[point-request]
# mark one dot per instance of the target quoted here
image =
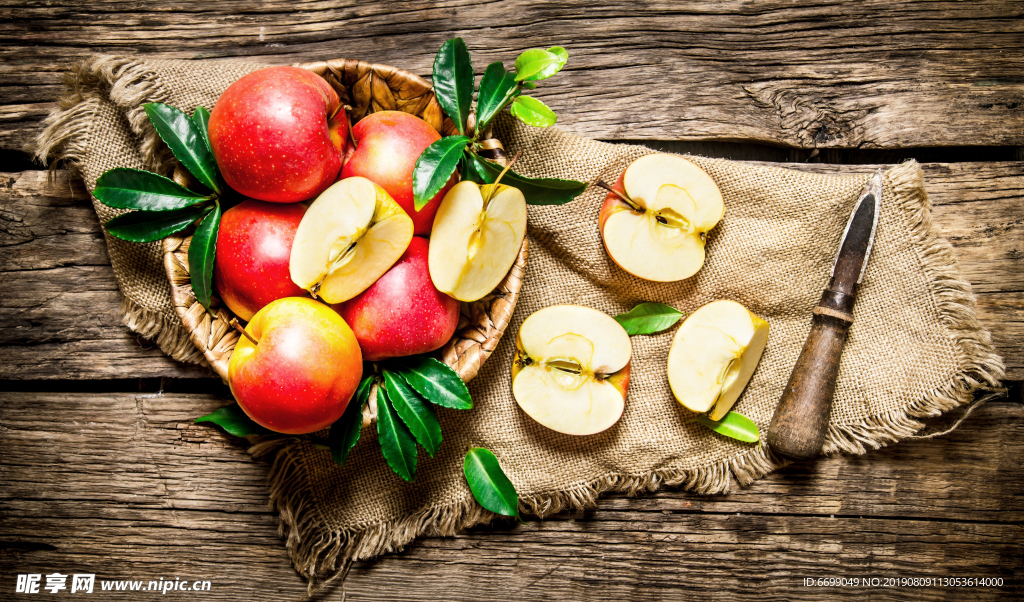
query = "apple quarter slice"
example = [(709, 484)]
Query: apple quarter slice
[(713, 355), (476, 237), (350, 235), (657, 232), (571, 369)]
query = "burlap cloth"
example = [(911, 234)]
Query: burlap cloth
[(915, 350)]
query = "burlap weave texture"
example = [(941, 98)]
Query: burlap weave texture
[(916, 348)]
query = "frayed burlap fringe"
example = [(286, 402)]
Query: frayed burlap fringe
[(166, 331), (128, 84), (323, 554)]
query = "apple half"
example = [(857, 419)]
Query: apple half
[(571, 369), (476, 237), (655, 222), (350, 235), (713, 355)]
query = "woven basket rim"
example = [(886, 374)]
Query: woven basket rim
[(481, 323)]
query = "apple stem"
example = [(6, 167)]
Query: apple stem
[(348, 118), (501, 175), (625, 198), (238, 327)]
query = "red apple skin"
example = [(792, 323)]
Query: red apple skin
[(278, 134), (402, 313), (254, 245), (388, 144), (302, 372), (613, 203)]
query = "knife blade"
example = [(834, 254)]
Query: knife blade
[(800, 421)]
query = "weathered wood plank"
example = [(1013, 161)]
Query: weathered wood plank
[(59, 306), (872, 74), (124, 485), (60, 302)]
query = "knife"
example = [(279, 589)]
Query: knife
[(800, 421)]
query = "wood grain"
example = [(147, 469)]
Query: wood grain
[(811, 75), (126, 486), (59, 306)]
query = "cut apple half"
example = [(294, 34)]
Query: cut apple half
[(655, 219), (571, 369), (476, 237), (350, 235), (713, 355)]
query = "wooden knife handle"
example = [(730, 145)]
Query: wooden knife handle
[(800, 421)]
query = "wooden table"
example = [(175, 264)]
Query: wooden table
[(104, 472)]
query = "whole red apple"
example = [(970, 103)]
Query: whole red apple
[(278, 134), (301, 373), (254, 244), (388, 144), (402, 313)]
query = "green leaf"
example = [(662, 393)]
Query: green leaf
[(345, 432), (186, 141), (415, 412), (497, 87), (124, 188), (536, 64), (147, 226), (538, 191), (453, 81), (234, 421), (436, 381), (532, 111), (734, 425), (649, 318), (201, 252), (488, 482), (201, 117), (560, 52), (396, 442), (435, 167)]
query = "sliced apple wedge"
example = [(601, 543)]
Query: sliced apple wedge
[(713, 356), (654, 221), (350, 235), (476, 237), (571, 369)]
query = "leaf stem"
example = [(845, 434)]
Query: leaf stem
[(509, 97)]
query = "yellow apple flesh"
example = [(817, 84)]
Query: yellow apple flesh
[(476, 237), (713, 355), (351, 234), (659, 233), (571, 369)]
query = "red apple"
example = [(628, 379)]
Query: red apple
[(655, 223), (402, 313), (253, 249), (388, 144), (278, 134), (301, 373)]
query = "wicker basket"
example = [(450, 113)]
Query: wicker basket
[(366, 89)]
